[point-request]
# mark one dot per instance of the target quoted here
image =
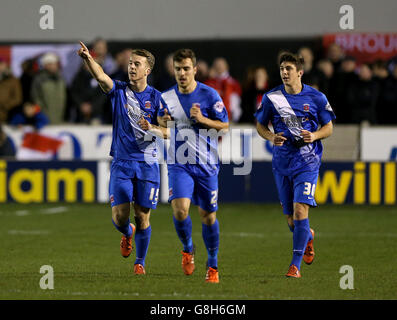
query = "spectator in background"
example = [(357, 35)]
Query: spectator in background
[(327, 69), (362, 96), (202, 74), (311, 76), (102, 56), (7, 149), (228, 88), (10, 92), (122, 59), (256, 83), (29, 70), (335, 54), (341, 81), (88, 101), (167, 78), (31, 115), (49, 89), (387, 102)]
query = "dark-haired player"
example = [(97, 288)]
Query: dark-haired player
[(197, 110), (301, 116)]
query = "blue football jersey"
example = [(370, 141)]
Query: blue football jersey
[(192, 145), (128, 140), (290, 113)]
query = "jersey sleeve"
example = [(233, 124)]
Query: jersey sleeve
[(264, 112), (117, 84), (156, 112), (217, 109), (325, 114), (162, 107)]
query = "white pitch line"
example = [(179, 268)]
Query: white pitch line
[(54, 210), (21, 213), (28, 232)]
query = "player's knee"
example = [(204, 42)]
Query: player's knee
[(120, 214), (142, 220), (301, 212), (181, 213), (208, 218), (120, 218)]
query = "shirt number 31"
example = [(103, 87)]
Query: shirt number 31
[(309, 189)]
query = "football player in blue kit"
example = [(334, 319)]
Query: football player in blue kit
[(134, 175), (301, 116), (192, 159)]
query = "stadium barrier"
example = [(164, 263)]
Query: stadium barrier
[(79, 171)]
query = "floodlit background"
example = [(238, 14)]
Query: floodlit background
[(56, 123)]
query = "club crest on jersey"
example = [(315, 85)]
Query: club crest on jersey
[(111, 198), (195, 104), (148, 104), (306, 107), (218, 106), (170, 192)]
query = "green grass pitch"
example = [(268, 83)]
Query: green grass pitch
[(81, 244)]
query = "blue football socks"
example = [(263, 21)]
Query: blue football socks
[(125, 229), (184, 231), (211, 241), (300, 238), (142, 239)]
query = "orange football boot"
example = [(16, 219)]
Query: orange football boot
[(139, 269), (293, 272), (308, 256), (212, 275), (188, 262), (126, 243)]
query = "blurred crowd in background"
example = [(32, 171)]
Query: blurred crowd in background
[(358, 93)]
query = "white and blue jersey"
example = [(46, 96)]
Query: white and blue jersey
[(128, 142), (134, 174), (290, 113), (295, 163), (192, 145), (192, 158)]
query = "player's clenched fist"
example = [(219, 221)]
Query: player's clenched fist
[(307, 136), (144, 124), (195, 113), (278, 139), (83, 51)]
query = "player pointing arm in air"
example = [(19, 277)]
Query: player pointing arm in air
[(301, 116), (134, 174)]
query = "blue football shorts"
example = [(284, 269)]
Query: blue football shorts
[(134, 181), (296, 188), (201, 190)]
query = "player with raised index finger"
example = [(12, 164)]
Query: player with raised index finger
[(134, 174)]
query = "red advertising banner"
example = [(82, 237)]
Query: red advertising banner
[(365, 47)]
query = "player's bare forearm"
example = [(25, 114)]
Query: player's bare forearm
[(160, 131), (264, 132), (277, 139), (105, 82), (324, 132), (162, 122), (214, 124)]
